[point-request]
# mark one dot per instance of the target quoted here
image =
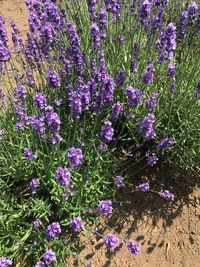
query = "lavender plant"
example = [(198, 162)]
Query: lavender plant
[(93, 80)]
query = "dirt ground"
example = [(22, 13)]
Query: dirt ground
[(15, 10), (169, 233)]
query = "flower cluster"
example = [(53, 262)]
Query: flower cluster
[(134, 96), (37, 224), (151, 158), (133, 247), (74, 157), (166, 44), (34, 183), (143, 187), (53, 230), (107, 132), (63, 176), (28, 154), (105, 207), (111, 241), (119, 181), (77, 224), (167, 195), (146, 126), (4, 262)]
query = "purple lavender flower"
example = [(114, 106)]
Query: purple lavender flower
[(103, 35), (92, 6), (197, 93), (113, 7), (78, 59), (182, 25), (53, 230), (157, 19), (121, 39), (107, 132), (55, 138), (77, 224), (19, 126), (192, 10), (166, 43), (132, 5), (133, 66), (38, 123), (136, 48), (3, 31), (40, 264), (171, 69), (58, 102), (28, 154), (2, 99), (32, 53), (68, 193), (129, 114), (21, 91), (74, 157), (4, 262), (53, 79), (121, 77), (48, 35), (144, 11), (102, 18), (146, 126), (102, 66), (119, 181), (111, 241), (103, 147), (75, 103), (151, 104), (4, 53), (49, 257), (95, 36), (40, 100), (149, 74), (133, 247), (85, 96), (30, 78), (53, 121), (1, 133), (134, 96), (151, 158), (104, 207), (167, 195), (63, 176), (16, 37), (73, 36), (108, 89), (88, 265), (143, 187), (37, 223), (117, 109), (173, 88), (165, 143), (34, 183)]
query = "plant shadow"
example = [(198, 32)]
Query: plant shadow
[(136, 209)]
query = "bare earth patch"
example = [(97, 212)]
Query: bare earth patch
[(15, 10), (169, 233)]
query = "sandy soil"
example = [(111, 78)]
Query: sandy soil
[(169, 233), (15, 10)]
